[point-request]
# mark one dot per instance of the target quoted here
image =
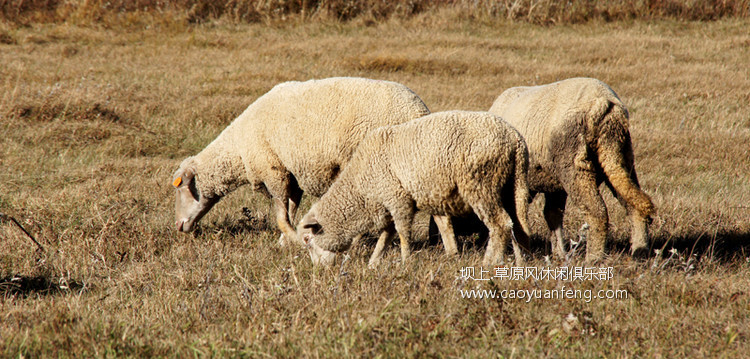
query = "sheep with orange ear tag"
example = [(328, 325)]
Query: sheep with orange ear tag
[(295, 139)]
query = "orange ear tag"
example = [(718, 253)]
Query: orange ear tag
[(177, 182)]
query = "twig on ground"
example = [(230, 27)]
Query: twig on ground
[(4, 216)]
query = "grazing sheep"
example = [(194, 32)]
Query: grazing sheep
[(578, 137), (294, 138), (446, 164)]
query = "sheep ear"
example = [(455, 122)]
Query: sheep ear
[(312, 223), (184, 177), (314, 227)]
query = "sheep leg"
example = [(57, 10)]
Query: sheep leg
[(445, 225), (638, 222), (554, 208), (282, 220), (355, 241), (500, 226), (402, 209), (518, 250), (520, 239), (403, 225), (585, 194), (405, 249), (638, 234), (386, 237), (295, 197)]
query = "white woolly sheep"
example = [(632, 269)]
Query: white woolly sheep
[(578, 136), (446, 164), (291, 140)]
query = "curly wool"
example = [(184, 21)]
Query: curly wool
[(578, 136), (446, 164), (298, 136)]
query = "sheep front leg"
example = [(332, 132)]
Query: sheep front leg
[(405, 249), (403, 227), (288, 235), (355, 241), (448, 235), (402, 209), (386, 237), (295, 197)]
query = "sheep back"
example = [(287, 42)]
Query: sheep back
[(310, 129), (556, 119), (432, 164)]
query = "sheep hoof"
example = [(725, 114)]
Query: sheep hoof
[(493, 262), (326, 259), (283, 241), (594, 258), (373, 265)]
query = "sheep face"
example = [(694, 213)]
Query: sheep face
[(309, 230), (189, 205)]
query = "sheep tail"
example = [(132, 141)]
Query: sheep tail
[(615, 152), (521, 185)]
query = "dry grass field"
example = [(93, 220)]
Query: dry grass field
[(95, 118)]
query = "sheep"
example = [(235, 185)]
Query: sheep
[(446, 164), (578, 136), (291, 140)]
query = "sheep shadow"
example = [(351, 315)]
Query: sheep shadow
[(25, 286), (249, 222), (472, 235), (723, 246)]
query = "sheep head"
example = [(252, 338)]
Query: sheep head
[(189, 205), (308, 230)]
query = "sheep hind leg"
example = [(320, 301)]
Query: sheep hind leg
[(639, 235), (638, 222), (500, 226), (518, 249), (445, 226), (554, 208), (585, 194), (519, 238)]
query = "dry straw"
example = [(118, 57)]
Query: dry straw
[(535, 11)]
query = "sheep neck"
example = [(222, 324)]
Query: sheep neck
[(347, 214), (220, 171)]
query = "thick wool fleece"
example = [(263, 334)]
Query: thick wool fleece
[(297, 137), (578, 136), (447, 163)]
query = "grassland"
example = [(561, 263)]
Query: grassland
[(95, 118)]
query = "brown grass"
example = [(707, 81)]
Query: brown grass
[(194, 11), (96, 118)]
